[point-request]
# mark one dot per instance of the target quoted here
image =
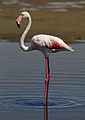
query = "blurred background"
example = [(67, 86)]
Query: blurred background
[(22, 74), (62, 18)]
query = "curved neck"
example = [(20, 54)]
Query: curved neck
[(22, 45)]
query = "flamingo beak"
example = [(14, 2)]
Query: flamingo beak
[(18, 20)]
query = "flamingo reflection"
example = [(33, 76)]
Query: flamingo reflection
[(46, 112)]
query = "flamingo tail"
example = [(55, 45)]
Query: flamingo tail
[(66, 47)]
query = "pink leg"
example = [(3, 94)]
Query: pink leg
[(46, 81)]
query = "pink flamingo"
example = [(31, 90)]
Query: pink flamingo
[(45, 43)]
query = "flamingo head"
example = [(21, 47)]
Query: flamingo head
[(21, 17)]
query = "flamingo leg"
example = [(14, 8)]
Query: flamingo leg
[(47, 80)]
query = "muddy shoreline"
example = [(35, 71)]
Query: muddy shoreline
[(68, 25)]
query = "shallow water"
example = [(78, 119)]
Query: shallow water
[(63, 5), (22, 77)]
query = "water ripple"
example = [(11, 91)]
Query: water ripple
[(34, 103)]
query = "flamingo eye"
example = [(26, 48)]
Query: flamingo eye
[(22, 14), (37, 40)]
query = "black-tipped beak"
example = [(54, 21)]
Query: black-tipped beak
[(18, 21), (18, 24)]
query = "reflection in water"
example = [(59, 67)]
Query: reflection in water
[(46, 112)]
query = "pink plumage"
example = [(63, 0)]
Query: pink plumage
[(48, 43), (44, 43)]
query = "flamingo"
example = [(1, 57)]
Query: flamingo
[(45, 43)]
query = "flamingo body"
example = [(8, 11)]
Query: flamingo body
[(45, 43), (48, 44)]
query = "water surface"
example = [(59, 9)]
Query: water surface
[(22, 77), (53, 5)]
